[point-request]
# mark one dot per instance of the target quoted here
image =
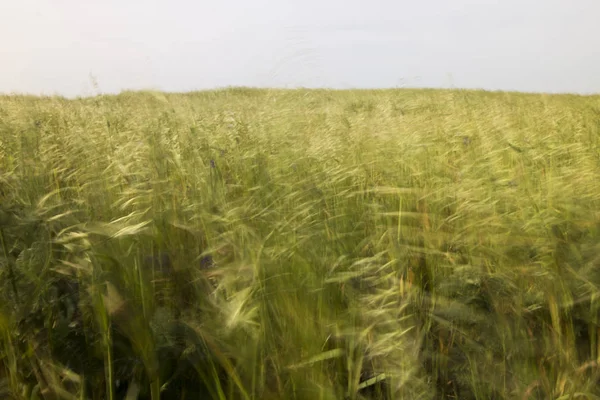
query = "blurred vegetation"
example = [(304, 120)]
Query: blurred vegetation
[(272, 244)]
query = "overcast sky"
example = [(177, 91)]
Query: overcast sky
[(55, 46)]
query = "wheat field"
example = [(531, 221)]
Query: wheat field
[(300, 244)]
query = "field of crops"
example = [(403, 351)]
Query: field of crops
[(271, 244)]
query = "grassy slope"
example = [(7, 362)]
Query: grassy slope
[(444, 242)]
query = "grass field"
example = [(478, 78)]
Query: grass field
[(270, 244)]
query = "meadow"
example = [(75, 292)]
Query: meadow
[(300, 244)]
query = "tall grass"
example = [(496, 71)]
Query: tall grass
[(263, 244)]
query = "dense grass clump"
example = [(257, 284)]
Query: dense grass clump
[(262, 244)]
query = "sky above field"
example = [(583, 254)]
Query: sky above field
[(63, 46)]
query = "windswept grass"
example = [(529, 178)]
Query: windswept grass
[(263, 244)]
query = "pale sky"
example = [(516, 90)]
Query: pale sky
[(55, 46)]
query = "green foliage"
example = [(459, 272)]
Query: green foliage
[(267, 244)]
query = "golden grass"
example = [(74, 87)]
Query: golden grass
[(399, 244)]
